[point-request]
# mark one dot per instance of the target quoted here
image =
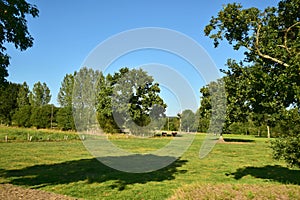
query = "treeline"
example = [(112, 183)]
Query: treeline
[(119, 101), (24, 108), (240, 115)]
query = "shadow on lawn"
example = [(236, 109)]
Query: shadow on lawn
[(89, 170), (270, 172), (237, 140)]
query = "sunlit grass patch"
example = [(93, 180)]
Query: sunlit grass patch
[(236, 191)]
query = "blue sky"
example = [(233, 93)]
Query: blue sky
[(68, 30)]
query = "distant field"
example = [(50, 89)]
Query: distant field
[(240, 168)]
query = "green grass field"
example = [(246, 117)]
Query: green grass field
[(242, 166)]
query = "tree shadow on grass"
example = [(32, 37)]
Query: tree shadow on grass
[(237, 140), (270, 172), (89, 170)]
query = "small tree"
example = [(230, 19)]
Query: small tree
[(23, 95), (64, 97), (187, 120), (40, 94), (65, 117), (22, 114)]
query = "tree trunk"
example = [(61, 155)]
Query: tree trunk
[(268, 129)]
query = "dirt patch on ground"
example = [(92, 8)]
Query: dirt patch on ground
[(11, 192)]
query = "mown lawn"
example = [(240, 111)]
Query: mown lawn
[(66, 167)]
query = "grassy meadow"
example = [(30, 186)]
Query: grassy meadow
[(241, 168)]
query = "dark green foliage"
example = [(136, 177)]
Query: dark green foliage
[(8, 102), (212, 111), (287, 146), (65, 117), (108, 124), (65, 120), (14, 29), (22, 116), (172, 124), (43, 116)]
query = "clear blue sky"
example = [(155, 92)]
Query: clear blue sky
[(68, 30)]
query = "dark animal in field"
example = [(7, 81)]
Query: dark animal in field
[(164, 134)]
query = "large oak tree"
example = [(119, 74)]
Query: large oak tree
[(270, 73)]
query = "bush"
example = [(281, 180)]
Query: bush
[(287, 145)]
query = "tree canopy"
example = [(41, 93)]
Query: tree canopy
[(266, 84), (270, 39), (40, 94), (129, 98), (13, 29)]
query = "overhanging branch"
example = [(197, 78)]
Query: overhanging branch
[(265, 55)]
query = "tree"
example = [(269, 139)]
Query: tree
[(270, 40), (43, 116), (86, 87), (8, 102), (40, 94), (22, 114), (14, 29), (129, 99), (23, 95), (104, 106), (65, 118), (201, 123), (65, 94), (171, 124), (187, 120), (212, 109)]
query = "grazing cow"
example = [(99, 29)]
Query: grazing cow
[(164, 134), (174, 134)]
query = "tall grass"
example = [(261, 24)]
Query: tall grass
[(14, 134)]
